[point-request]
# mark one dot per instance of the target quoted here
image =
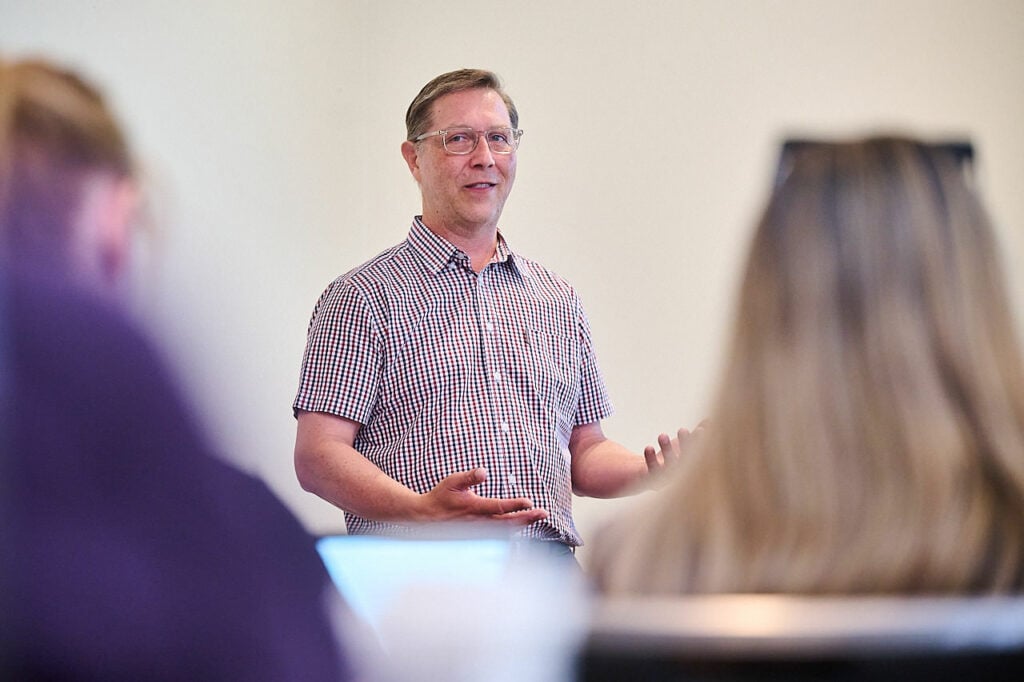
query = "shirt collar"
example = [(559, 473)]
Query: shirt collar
[(437, 251)]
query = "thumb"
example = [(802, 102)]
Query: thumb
[(465, 480)]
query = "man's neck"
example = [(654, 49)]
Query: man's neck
[(478, 242)]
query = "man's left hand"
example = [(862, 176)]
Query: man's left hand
[(664, 460)]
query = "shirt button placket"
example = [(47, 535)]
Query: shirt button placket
[(491, 367)]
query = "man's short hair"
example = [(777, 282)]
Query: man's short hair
[(417, 117)]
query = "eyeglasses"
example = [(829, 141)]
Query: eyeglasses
[(960, 151), (464, 140)]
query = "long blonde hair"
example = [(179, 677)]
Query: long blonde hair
[(868, 435), (56, 132)]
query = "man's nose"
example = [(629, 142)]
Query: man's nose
[(482, 155)]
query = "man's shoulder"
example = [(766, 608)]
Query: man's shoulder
[(395, 261), (542, 275)]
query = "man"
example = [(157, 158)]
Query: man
[(450, 378)]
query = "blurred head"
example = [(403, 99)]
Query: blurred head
[(67, 199), (462, 193), (869, 430)]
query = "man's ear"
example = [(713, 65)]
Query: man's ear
[(412, 158)]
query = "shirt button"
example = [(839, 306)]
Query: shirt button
[(511, 479), (504, 427), (489, 326), (497, 376)]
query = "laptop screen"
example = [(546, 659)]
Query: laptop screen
[(457, 606), (371, 572)]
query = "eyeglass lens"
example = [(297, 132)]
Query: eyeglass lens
[(464, 140)]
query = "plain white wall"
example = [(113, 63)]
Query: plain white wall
[(270, 132)]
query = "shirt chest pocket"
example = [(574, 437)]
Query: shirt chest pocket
[(554, 371)]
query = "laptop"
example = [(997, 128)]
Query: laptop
[(372, 572), (456, 605)]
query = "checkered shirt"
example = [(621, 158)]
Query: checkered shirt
[(447, 370)]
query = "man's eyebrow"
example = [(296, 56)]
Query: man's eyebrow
[(493, 126)]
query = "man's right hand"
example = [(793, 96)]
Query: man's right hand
[(452, 499)]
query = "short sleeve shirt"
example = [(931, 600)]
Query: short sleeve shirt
[(447, 370)]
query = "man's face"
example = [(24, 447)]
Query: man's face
[(463, 193)]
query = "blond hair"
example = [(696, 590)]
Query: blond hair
[(56, 131), (868, 435)]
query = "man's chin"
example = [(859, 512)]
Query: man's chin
[(482, 219)]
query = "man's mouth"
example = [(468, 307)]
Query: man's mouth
[(481, 185)]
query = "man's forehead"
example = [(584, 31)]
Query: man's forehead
[(450, 107)]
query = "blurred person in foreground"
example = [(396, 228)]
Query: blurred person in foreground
[(450, 378), (869, 426), (129, 551)]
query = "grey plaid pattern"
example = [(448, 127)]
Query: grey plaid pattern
[(448, 370)]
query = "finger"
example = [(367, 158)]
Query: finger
[(523, 517), (464, 480), (490, 506), (673, 454), (651, 456)]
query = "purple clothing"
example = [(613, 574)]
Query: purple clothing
[(129, 552)]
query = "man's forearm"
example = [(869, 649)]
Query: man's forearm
[(345, 478), (328, 466), (602, 467)]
